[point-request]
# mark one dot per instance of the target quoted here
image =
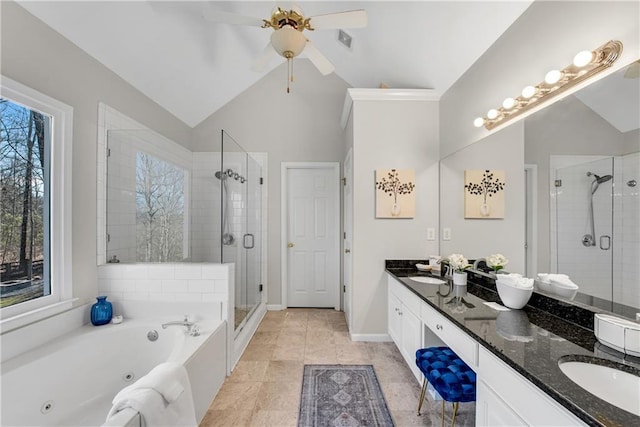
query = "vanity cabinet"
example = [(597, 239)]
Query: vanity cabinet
[(503, 396), (404, 325)]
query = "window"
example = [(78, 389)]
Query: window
[(35, 209), (160, 216)]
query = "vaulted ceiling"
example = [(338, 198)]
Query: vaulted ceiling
[(193, 67)]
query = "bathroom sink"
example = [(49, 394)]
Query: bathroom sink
[(427, 280), (616, 386)]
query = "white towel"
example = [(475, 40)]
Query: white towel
[(162, 397), (561, 280), (515, 280)]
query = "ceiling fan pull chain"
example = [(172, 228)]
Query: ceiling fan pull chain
[(288, 73)]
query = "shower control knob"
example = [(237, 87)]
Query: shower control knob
[(588, 240)]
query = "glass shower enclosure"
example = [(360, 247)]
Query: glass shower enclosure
[(595, 226), (166, 203), (240, 178)]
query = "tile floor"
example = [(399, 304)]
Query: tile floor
[(264, 388)]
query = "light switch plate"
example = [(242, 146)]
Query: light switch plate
[(446, 234), (431, 233)]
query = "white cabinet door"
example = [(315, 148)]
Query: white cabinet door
[(493, 411), (411, 339), (394, 320)]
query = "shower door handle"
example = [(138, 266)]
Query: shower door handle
[(605, 242), (244, 241)]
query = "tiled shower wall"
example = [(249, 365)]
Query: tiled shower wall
[(188, 282)]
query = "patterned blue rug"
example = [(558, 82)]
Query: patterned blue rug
[(342, 395)]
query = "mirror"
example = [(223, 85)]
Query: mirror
[(577, 207)]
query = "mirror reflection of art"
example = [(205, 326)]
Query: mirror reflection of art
[(484, 194), (395, 197)]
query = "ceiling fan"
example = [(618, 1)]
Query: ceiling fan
[(287, 38)]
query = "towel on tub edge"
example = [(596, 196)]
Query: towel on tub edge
[(162, 397)]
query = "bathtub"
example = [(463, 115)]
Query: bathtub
[(72, 380)]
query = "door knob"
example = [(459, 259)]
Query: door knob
[(347, 251), (290, 245)]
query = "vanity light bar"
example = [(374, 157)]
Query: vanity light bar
[(585, 64)]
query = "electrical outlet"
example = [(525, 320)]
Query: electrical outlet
[(431, 234), (446, 234)]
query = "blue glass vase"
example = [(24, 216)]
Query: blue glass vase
[(101, 311)]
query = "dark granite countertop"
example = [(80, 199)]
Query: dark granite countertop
[(531, 340)]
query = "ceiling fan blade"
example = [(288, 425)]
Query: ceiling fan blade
[(265, 57), (213, 15), (319, 60), (351, 19)]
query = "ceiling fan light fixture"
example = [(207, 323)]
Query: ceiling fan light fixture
[(288, 41)]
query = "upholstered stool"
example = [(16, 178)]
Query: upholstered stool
[(449, 375)]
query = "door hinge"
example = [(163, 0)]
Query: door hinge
[(108, 152), (344, 181), (260, 287), (344, 288), (261, 181), (558, 183), (108, 237), (344, 235)]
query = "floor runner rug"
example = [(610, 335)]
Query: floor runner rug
[(342, 395)]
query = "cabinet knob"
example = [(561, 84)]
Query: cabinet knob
[(439, 327), (290, 245)]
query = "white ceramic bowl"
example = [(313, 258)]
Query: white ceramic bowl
[(513, 297)]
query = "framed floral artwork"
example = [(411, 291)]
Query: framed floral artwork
[(395, 195), (484, 194)]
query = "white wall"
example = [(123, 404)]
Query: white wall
[(546, 36), (478, 238), (389, 133), (302, 126), (37, 56)]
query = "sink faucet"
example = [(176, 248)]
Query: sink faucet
[(192, 328), (478, 261)]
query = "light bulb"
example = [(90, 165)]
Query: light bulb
[(478, 122), (509, 103), (553, 77), (583, 58), (528, 92), (492, 114)]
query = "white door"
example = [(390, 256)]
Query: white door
[(347, 207), (312, 234)]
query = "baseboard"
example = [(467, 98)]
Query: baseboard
[(275, 307), (371, 337)]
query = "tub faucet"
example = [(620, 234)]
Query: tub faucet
[(192, 328)]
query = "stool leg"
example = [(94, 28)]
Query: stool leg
[(455, 411), (422, 394), (442, 412)]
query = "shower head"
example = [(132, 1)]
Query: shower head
[(600, 179)]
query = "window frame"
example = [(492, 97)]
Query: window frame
[(60, 207)]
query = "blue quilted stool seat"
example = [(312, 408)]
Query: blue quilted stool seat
[(453, 379)]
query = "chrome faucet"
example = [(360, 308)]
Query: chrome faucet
[(192, 328), (476, 262)]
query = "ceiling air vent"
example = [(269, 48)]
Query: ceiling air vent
[(344, 38)]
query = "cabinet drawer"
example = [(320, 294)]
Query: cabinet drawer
[(463, 345)]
